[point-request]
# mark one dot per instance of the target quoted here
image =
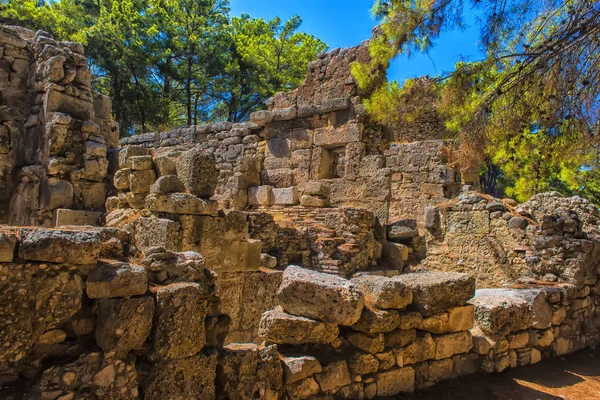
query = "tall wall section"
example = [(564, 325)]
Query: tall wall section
[(55, 132)]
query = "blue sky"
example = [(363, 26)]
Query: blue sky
[(344, 23)]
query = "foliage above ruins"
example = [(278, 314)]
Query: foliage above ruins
[(528, 113), (167, 63)]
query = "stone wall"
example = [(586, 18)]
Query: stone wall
[(55, 132), (501, 242), (379, 337)]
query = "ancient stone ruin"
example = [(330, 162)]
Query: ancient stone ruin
[(307, 253)]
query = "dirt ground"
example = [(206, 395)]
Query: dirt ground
[(574, 377)]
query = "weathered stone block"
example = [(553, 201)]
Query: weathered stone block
[(461, 318), (59, 246), (334, 375), (181, 203), (285, 196), (141, 163), (8, 241), (116, 280), (246, 370), (400, 337), (94, 149), (435, 292), (382, 292), (403, 230), (320, 296), (66, 217), (338, 136), (422, 349), (279, 327), (470, 222), (373, 320), (123, 324), (55, 101), (277, 178), (158, 232), (140, 181), (121, 179), (313, 201), (179, 330), (260, 196), (363, 363), (197, 170), (166, 379), (370, 343), (167, 184), (498, 311), (56, 193), (395, 381), (440, 370), (451, 344), (298, 368), (317, 188)]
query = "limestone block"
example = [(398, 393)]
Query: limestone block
[(59, 246), (363, 363), (95, 169), (435, 292), (337, 104), (465, 364), (422, 349), (340, 136), (436, 323), (158, 232), (303, 389), (333, 376), (56, 194), (165, 165), (373, 320), (165, 378), (498, 311), (140, 181), (518, 340), (8, 241), (92, 194), (395, 381), (279, 327), (94, 149), (77, 217), (285, 196), (130, 151), (382, 292), (136, 201), (298, 368), (461, 318), (141, 163), (431, 219), (317, 188), (370, 343), (121, 179), (320, 296), (440, 370), (267, 261), (536, 356), (278, 178), (482, 344), (167, 184), (313, 201), (55, 101), (123, 324), (246, 370), (396, 254), (400, 337), (181, 203), (116, 280), (179, 330), (261, 117), (451, 344), (260, 196), (410, 320), (538, 304), (197, 170), (402, 230)]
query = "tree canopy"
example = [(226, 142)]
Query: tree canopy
[(528, 113), (168, 63)]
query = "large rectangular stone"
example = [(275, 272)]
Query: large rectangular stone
[(160, 232), (285, 196), (499, 311), (395, 381), (179, 329), (436, 292), (59, 246), (338, 136), (320, 296), (280, 327), (116, 280), (55, 101), (66, 217)]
